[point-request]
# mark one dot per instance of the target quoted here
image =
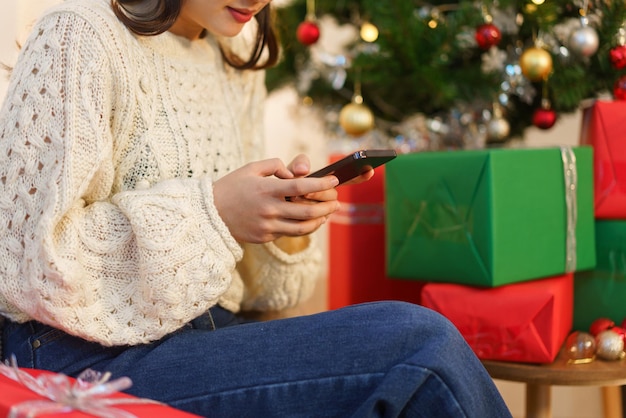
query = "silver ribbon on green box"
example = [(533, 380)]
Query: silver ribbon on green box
[(570, 174)]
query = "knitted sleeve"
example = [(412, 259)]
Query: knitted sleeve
[(121, 268), (273, 279)]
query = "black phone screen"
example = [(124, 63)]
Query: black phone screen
[(355, 164)]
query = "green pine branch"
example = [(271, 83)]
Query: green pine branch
[(420, 69)]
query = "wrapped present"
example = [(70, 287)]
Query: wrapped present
[(357, 248), (603, 128), (523, 322), (490, 217), (601, 292), (29, 393)]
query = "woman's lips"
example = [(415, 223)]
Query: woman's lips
[(241, 16)]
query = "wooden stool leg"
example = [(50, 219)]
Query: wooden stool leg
[(538, 401), (612, 401)]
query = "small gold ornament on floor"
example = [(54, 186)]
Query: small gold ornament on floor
[(580, 347), (605, 340)]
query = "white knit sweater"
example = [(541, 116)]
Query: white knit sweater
[(109, 144)]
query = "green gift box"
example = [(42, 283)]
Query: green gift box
[(600, 293), (490, 217)]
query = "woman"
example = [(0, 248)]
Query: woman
[(138, 221)]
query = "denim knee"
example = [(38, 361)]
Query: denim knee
[(411, 319)]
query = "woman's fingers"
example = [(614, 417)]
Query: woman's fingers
[(252, 202)]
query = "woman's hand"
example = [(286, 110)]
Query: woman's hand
[(299, 167), (265, 200)]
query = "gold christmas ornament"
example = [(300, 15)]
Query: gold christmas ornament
[(356, 118), (580, 347), (536, 63)]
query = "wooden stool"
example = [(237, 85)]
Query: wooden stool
[(539, 378)]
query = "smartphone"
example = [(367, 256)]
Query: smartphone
[(355, 164)]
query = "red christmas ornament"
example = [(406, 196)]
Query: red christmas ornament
[(617, 56), (487, 35), (599, 325), (544, 118), (308, 32), (619, 88)]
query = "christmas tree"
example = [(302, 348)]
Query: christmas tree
[(438, 75)]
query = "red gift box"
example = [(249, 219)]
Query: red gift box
[(356, 232), (603, 128), (14, 392), (523, 322)]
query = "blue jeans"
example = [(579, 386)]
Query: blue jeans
[(386, 359)]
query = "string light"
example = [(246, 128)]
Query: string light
[(369, 32)]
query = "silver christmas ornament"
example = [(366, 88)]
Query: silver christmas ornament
[(584, 41), (609, 345), (498, 129)]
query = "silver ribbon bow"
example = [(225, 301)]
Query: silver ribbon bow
[(87, 393)]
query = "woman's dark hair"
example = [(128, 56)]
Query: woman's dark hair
[(152, 17)]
